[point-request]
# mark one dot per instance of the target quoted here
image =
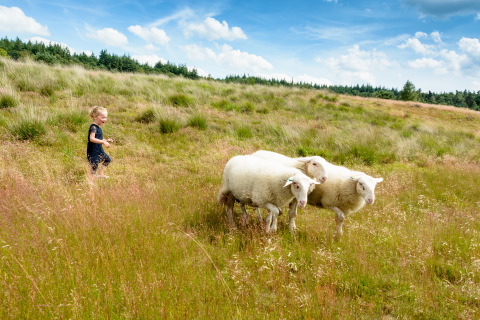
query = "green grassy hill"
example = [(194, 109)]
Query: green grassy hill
[(152, 243)]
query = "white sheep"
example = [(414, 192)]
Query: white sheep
[(262, 183), (314, 167), (344, 196)]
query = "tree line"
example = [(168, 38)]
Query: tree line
[(58, 54)]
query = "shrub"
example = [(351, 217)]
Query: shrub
[(8, 101), (244, 132), (181, 100), (198, 121), (247, 108), (28, 129), (224, 105), (71, 120), (147, 116), (169, 125)]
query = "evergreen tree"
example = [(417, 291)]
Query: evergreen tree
[(408, 92)]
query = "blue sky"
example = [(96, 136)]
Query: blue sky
[(433, 43)]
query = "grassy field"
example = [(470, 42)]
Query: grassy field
[(152, 243)]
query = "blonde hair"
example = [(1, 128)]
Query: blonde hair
[(96, 110)]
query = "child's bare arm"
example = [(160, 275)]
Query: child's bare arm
[(95, 140)]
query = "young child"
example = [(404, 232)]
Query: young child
[(95, 152)]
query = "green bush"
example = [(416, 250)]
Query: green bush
[(72, 120), (147, 116), (8, 101), (224, 105), (181, 100), (198, 121), (248, 107), (169, 125), (28, 129), (244, 132)]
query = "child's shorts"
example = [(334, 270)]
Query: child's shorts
[(95, 160)]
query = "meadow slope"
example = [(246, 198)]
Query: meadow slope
[(152, 243)]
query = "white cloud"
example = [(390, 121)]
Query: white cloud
[(212, 29), (417, 46), (196, 52), (151, 59), (227, 57), (49, 42), (358, 60), (14, 20), (471, 47), (153, 34), (240, 60), (425, 63), (436, 37), (358, 66), (108, 36)]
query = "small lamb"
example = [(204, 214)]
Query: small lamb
[(262, 183), (344, 196), (314, 167)]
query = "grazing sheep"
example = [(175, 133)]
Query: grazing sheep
[(314, 167), (344, 196), (262, 183)]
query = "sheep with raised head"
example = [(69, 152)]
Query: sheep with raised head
[(314, 167), (265, 184), (344, 195)]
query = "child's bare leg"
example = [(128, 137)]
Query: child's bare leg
[(101, 170)]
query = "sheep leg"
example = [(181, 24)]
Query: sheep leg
[(245, 214), (339, 218), (259, 215), (229, 203), (292, 214), (271, 218)]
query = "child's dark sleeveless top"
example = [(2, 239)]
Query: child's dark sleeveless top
[(94, 149)]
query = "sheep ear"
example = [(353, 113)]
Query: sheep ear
[(314, 181), (378, 180), (289, 182)]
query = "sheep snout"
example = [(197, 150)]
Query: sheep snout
[(302, 204)]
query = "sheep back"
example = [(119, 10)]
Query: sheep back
[(255, 181)]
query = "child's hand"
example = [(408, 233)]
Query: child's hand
[(110, 140), (106, 144)]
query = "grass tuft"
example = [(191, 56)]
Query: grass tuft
[(8, 101), (169, 124)]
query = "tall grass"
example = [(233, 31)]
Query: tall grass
[(152, 243)]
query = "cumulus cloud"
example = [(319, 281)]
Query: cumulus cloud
[(421, 47), (14, 20), (227, 57), (445, 8), (359, 60), (212, 29), (425, 63), (153, 34), (49, 42), (417, 46), (108, 36), (358, 66)]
